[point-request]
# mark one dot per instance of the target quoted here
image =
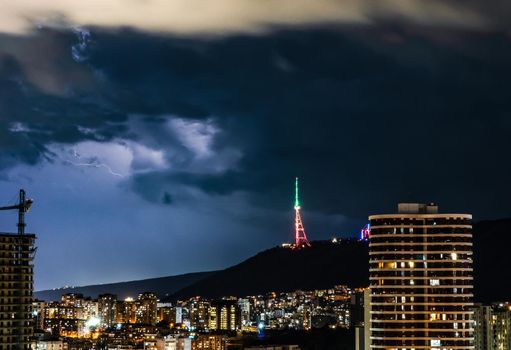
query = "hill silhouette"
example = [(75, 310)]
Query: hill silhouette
[(326, 264), (162, 286), (323, 265)]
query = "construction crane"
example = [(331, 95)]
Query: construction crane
[(18, 263), (23, 206)]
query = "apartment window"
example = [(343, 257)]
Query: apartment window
[(436, 342)]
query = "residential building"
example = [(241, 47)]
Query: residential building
[(16, 287), (421, 279), (107, 309), (492, 326), (147, 308), (224, 315)]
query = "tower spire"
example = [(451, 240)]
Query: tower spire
[(297, 201), (300, 236)]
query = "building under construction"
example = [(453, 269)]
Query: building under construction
[(16, 282)]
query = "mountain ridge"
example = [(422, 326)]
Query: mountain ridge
[(282, 269), (162, 286)]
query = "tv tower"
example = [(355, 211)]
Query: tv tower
[(300, 236)]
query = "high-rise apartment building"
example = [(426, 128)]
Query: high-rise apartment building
[(166, 314), (492, 327), (107, 309), (421, 279), (224, 315), (38, 307), (361, 318), (75, 302), (147, 308), (16, 287), (126, 311), (483, 332), (199, 313), (244, 306), (90, 308)]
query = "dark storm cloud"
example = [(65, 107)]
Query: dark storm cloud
[(363, 116), (366, 116), (47, 97)]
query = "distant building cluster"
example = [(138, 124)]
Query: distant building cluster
[(195, 323)]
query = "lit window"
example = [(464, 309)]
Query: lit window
[(391, 265), (436, 342), (434, 282), (454, 256)]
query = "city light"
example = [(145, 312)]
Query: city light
[(365, 232), (93, 322)]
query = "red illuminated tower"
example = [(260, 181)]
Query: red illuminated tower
[(300, 236)]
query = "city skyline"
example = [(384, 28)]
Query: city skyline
[(419, 295), (155, 148)]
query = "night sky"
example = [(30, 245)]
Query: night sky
[(162, 137)]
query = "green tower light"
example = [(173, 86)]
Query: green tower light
[(297, 201)]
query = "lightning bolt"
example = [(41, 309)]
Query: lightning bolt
[(97, 165), (92, 164)]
